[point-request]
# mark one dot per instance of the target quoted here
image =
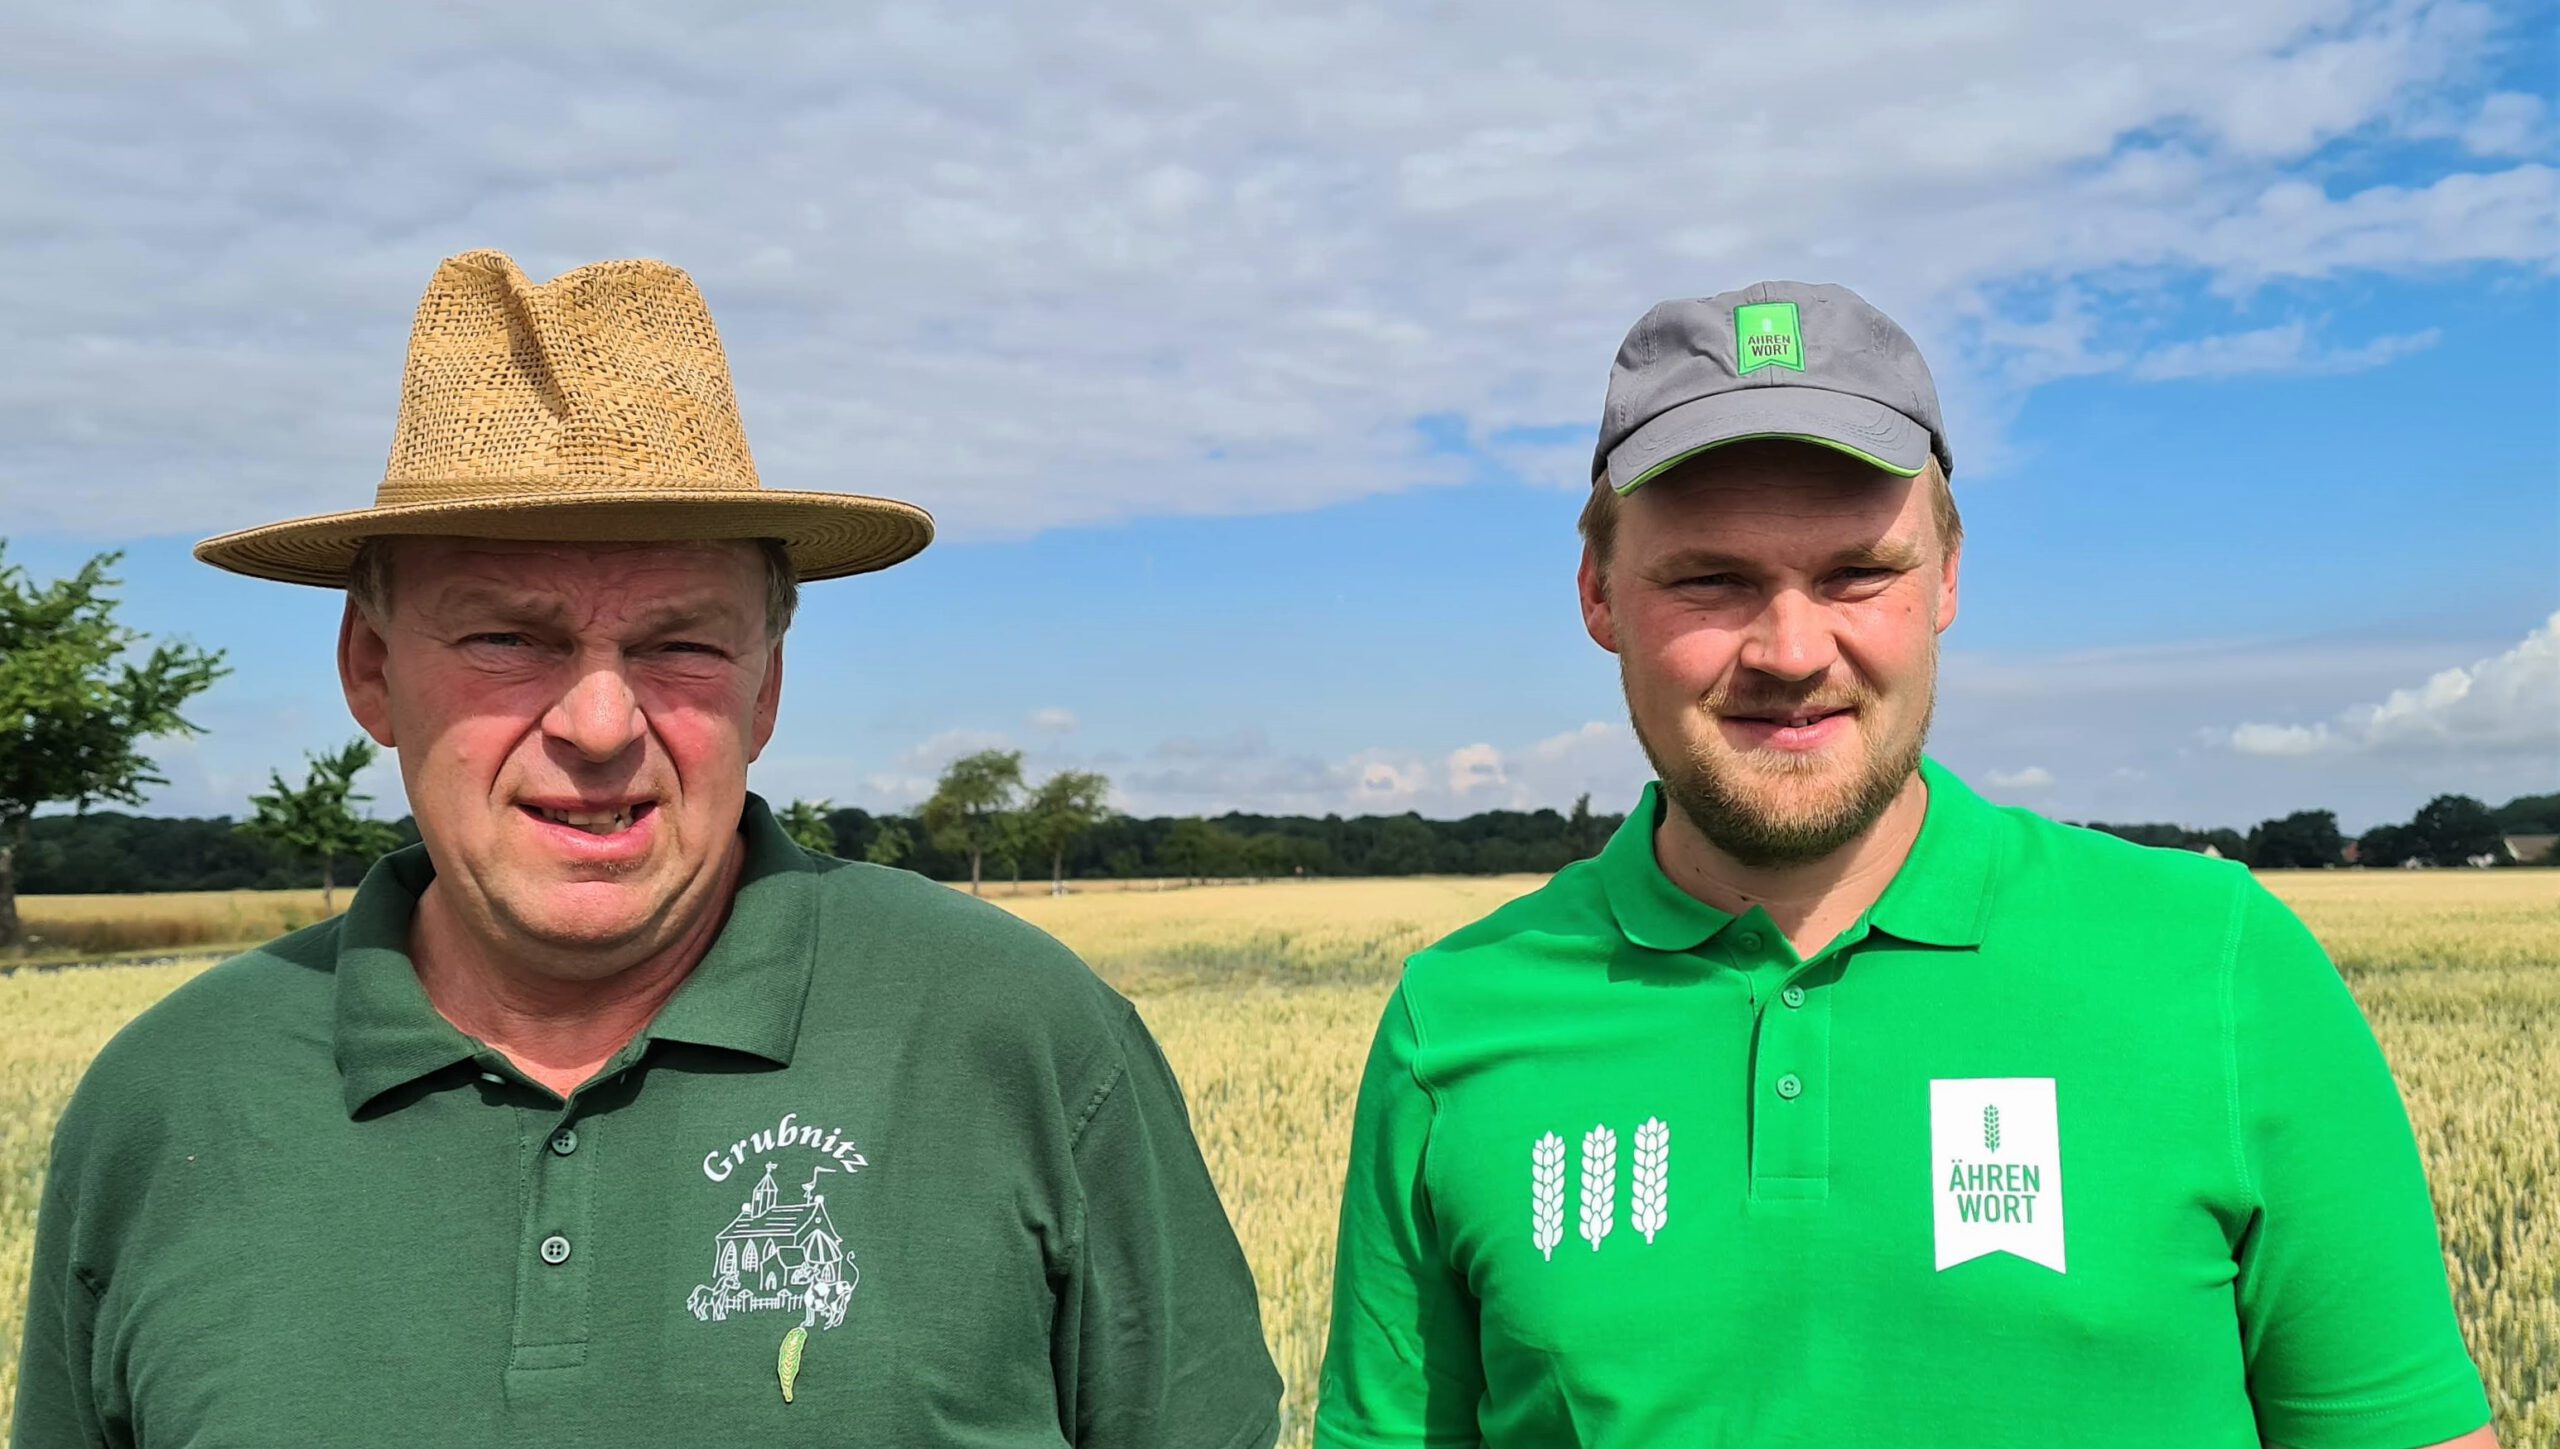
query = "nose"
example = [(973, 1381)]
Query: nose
[(1791, 639), (599, 715)]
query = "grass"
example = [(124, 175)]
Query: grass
[(1265, 995)]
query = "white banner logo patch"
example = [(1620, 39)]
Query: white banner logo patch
[(1995, 1155)]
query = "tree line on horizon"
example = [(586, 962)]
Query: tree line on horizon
[(80, 700)]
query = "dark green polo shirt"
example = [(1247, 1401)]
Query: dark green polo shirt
[(2064, 1141), (292, 1205)]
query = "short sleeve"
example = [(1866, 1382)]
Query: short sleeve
[(1161, 1344), (1402, 1366), (2346, 1320)]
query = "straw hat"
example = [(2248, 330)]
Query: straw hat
[(595, 407)]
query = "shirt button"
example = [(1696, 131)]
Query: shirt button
[(555, 1250), (565, 1141), (1748, 940), (1790, 1087), (1792, 996)]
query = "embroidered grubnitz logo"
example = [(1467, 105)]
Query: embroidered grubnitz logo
[(778, 1255), (1598, 1201), (1995, 1169)]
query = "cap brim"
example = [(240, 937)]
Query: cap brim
[(829, 535), (1861, 427)]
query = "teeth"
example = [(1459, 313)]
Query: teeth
[(594, 822)]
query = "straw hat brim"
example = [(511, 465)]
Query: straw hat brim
[(829, 535)]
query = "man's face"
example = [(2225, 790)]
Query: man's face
[(1768, 584), (574, 724)]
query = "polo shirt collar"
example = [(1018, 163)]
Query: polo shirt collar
[(1941, 895), (745, 995)]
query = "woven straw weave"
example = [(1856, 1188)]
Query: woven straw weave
[(596, 406)]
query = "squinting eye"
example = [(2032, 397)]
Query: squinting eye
[(499, 639), (686, 646)]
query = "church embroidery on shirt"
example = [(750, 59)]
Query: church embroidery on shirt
[(779, 1255)]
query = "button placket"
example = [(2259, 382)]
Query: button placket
[(1791, 1121), (559, 1242)]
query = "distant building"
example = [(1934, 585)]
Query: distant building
[(2212, 851), (2530, 849)]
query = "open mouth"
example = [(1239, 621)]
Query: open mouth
[(607, 820)]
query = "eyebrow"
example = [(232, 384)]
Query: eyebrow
[(533, 611), (1884, 553)]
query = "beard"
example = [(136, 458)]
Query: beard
[(1745, 806)]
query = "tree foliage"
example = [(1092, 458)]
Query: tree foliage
[(2454, 830), (319, 821), (805, 821), (2304, 840), (969, 803), (77, 707), (1066, 805)]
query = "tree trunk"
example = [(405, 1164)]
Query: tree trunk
[(329, 884), (11, 933), (1058, 872), (974, 855)]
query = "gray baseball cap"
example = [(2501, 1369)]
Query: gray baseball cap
[(1799, 360)]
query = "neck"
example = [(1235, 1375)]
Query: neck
[(558, 1029), (1812, 902)]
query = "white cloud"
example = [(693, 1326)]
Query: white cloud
[(2508, 704), (2033, 777), (2285, 348), (2510, 123), (1049, 265), (1473, 768), (1053, 720)]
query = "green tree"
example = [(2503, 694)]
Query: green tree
[(805, 821), (1066, 805), (319, 820), (889, 846), (75, 708), (2451, 829), (2386, 845), (1196, 850), (1582, 838), (2306, 839), (969, 804)]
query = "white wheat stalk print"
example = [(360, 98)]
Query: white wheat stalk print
[(1651, 1205), (1546, 1194), (1599, 1184)]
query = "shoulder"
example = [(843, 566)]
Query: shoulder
[(2096, 870), (235, 1017), (1562, 925), (932, 942)]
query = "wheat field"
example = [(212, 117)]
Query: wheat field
[(1264, 997)]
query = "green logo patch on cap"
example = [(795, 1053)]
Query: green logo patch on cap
[(1765, 334)]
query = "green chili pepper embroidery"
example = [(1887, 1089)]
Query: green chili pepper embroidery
[(789, 1366)]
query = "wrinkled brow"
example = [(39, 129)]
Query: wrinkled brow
[(1883, 553), (535, 611)]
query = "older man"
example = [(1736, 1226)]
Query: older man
[(608, 1116), (1831, 1105)]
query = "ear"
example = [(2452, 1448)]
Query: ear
[(1947, 586), (1598, 620), (768, 703), (364, 661)]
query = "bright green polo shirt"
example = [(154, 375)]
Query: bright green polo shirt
[(291, 1206), (2064, 1142)]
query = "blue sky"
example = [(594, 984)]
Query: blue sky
[(1250, 360)]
